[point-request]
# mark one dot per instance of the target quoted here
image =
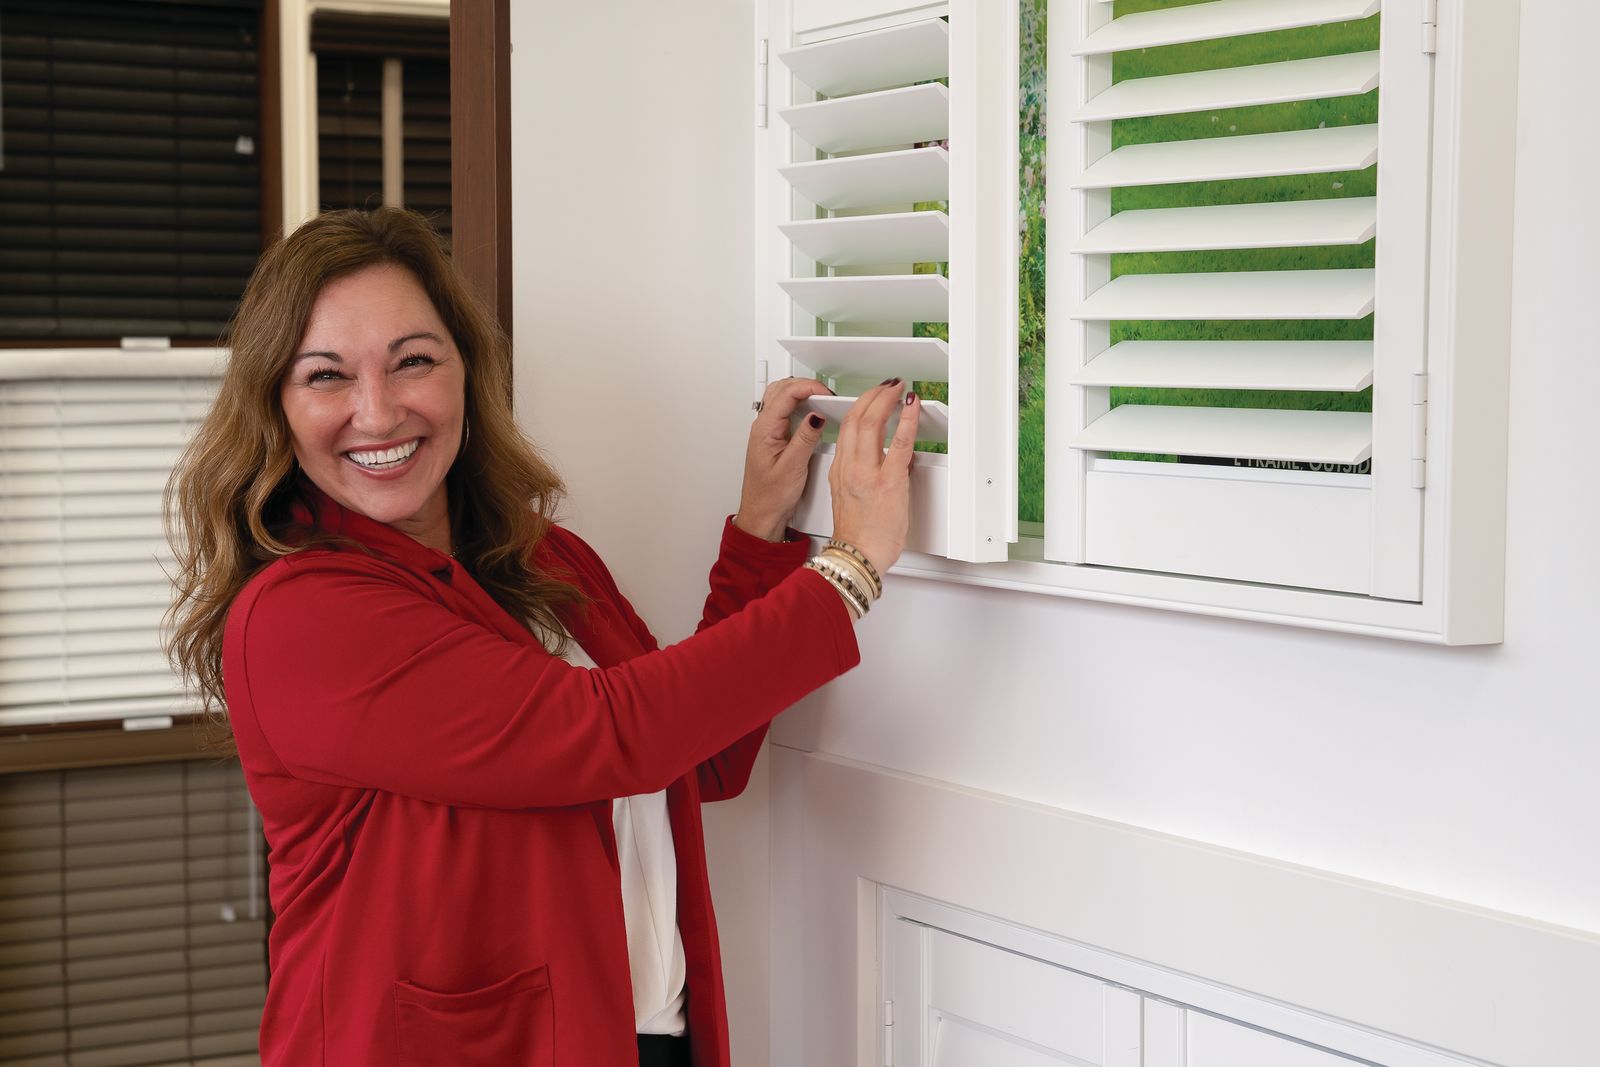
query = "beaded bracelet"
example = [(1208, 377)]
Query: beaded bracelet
[(858, 574)]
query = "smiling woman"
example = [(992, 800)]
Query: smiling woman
[(372, 585)]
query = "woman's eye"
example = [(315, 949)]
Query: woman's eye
[(324, 375), (416, 360)]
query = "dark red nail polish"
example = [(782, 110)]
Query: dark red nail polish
[(910, 399), (816, 421), (890, 381)]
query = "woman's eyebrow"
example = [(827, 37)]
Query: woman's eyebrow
[(424, 335)]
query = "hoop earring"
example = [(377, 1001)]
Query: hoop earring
[(466, 435)]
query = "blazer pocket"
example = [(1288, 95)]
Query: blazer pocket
[(507, 1024)]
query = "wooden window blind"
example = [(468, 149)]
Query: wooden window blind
[(86, 448), (895, 207), (352, 51), (1239, 231), (130, 185), (131, 917)]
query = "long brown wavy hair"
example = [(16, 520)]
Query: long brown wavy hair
[(228, 500)]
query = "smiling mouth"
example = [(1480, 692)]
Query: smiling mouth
[(384, 458)]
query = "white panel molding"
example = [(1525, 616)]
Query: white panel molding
[(1299, 951)]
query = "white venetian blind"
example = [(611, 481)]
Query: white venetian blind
[(87, 441), (131, 918), (898, 164), (1242, 246)]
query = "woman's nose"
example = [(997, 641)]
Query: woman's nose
[(377, 410)]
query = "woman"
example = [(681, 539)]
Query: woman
[(372, 587)]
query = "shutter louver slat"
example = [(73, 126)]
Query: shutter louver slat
[(1350, 74), (1308, 366), (876, 60), (865, 298), (855, 240), (1256, 155), (904, 177), (1336, 437), (1288, 294), (1275, 224), (1220, 18), (873, 120), (920, 358), (934, 425)]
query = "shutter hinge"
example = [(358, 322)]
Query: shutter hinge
[(1419, 431), (761, 83), (888, 1033), (1430, 27)]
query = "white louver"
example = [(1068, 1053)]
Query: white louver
[(866, 131), (87, 440), (1275, 514)]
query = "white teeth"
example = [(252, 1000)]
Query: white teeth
[(385, 458)]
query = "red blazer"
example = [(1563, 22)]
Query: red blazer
[(435, 788)]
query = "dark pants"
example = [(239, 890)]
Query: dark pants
[(657, 1050)]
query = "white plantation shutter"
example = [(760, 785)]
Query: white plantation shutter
[(864, 131), (1269, 511), (87, 441), (131, 917)]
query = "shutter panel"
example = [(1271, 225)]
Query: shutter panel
[(1239, 259), (131, 917), (130, 192), (84, 459), (895, 155)]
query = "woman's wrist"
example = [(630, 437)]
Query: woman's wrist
[(769, 530)]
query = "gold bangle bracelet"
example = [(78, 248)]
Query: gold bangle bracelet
[(853, 594), (852, 604), (858, 574), (861, 558)]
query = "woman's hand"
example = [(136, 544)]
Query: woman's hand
[(775, 463), (871, 487)]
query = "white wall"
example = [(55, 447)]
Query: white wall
[(632, 137), (1465, 773)]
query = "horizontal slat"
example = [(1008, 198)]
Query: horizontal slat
[(134, 435), (1254, 155), (92, 598), (97, 710), (1222, 18), (854, 240), (89, 459), (82, 414), (933, 424), (877, 180), (99, 373), (1285, 224), (22, 531), (104, 506), (149, 661), (1341, 437), (83, 483), (147, 618), (1341, 366), (59, 553), (71, 690), (1318, 78), (873, 120), (78, 576), (918, 51), (916, 359), (1274, 294), (873, 298), (99, 643)]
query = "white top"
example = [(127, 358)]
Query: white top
[(649, 864)]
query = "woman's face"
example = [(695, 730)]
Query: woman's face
[(375, 399)]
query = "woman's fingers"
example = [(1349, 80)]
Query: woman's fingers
[(904, 444), (872, 413)]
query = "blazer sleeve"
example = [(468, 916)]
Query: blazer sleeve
[(746, 568), (354, 677)]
